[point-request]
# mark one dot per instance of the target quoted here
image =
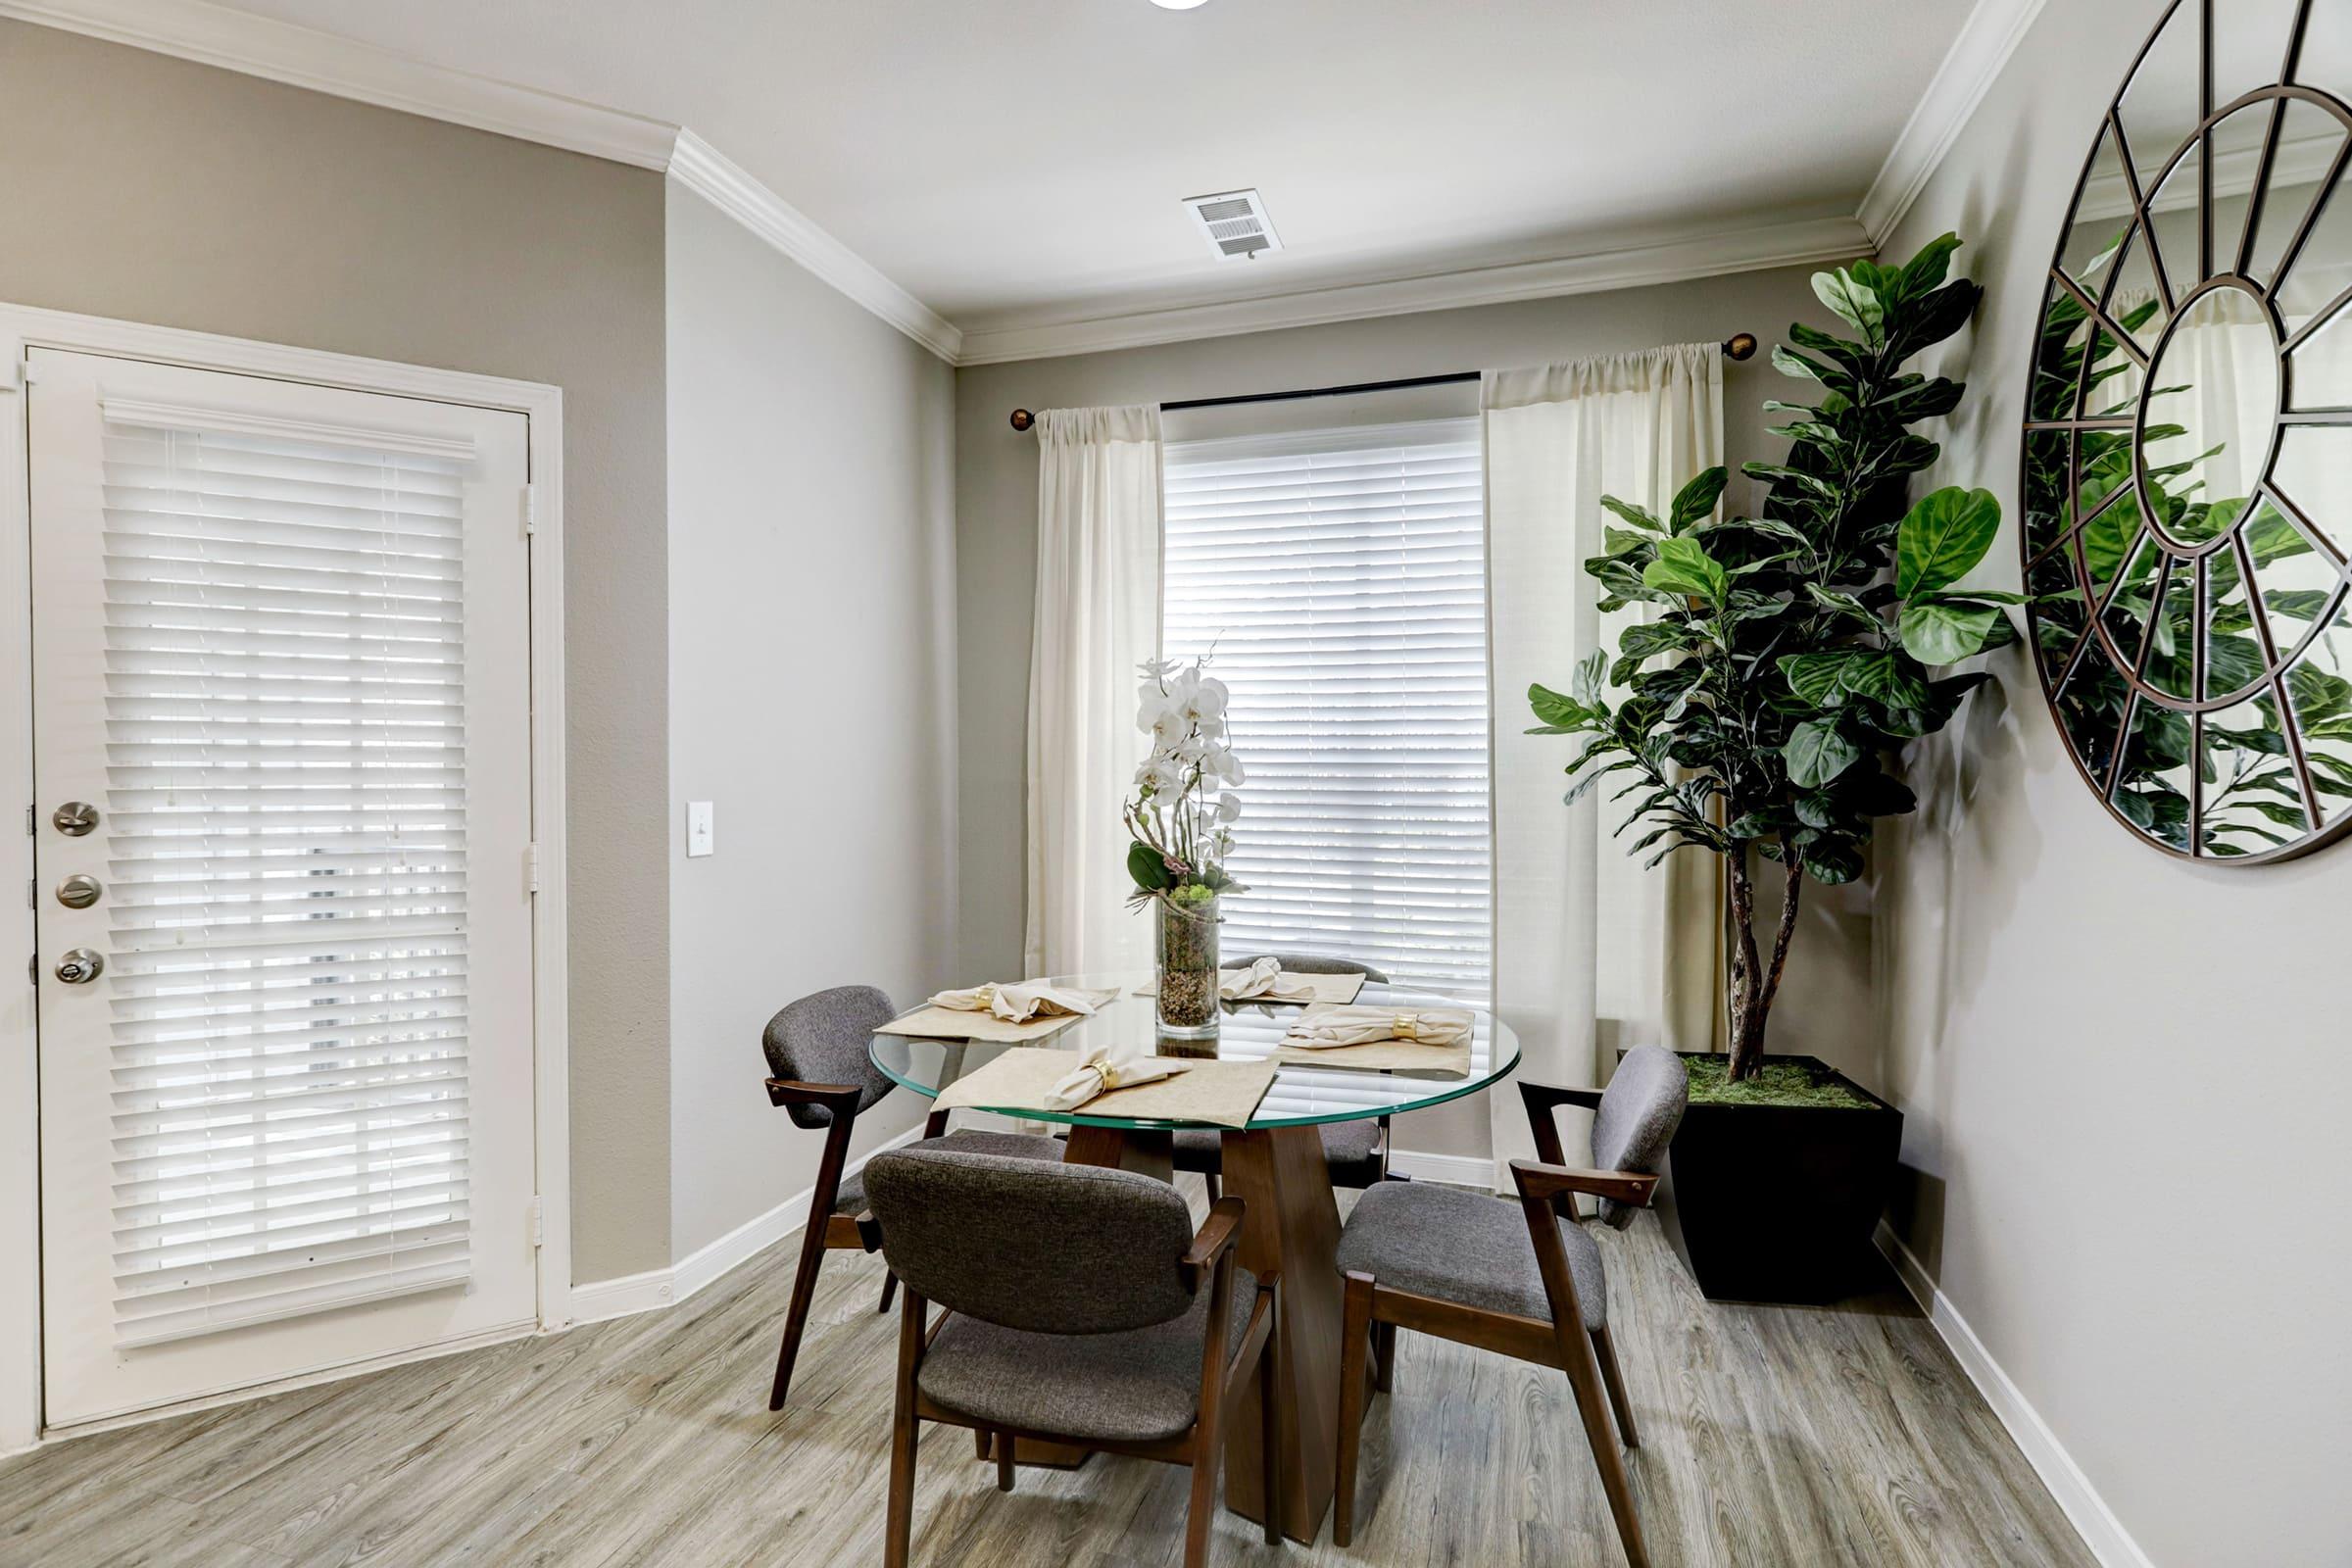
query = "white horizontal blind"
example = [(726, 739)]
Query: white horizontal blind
[(286, 840), (1339, 576)]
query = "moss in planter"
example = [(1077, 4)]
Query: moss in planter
[(1775, 1083)]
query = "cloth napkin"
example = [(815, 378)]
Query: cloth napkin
[(1264, 980), (1024, 1002), (1361, 1026), (1099, 1074)]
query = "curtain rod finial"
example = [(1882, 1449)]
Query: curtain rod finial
[(1741, 345), (1022, 418)]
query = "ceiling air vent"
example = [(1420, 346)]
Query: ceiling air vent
[(1235, 223)]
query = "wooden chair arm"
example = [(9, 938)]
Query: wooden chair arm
[(836, 1097), (1541, 1183), (1551, 1096), (1216, 1236)]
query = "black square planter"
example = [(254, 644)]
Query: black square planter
[(1777, 1202)]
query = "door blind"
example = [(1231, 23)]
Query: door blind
[(1339, 579), (285, 786)]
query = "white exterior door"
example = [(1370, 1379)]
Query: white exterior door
[(282, 741)]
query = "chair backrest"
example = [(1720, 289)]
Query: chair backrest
[(1030, 1243), (1312, 964), (1638, 1113), (823, 1038)]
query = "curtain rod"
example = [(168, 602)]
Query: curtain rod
[(1738, 346)]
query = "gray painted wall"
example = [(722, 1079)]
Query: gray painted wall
[(143, 187), (813, 627), (1825, 1003), (2123, 1076)]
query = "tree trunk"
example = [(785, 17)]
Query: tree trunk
[(1754, 983)]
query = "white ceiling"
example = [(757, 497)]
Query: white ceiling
[(1012, 162)]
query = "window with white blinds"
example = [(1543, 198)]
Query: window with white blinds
[(1338, 577), (286, 761)]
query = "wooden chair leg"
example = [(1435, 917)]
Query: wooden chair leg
[(889, 1288), (1605, 1351), (1209, 1432), (1384, 1356), (1269, 1433), (1585, 1383), (898, 1530), (1355, 1341), (1004, 1461), (980, 1442), (796, 1318)]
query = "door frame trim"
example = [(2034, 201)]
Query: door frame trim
[(24, 327)]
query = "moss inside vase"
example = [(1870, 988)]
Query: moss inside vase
[(1774, 1083)]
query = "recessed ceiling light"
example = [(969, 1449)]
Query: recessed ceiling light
[(1178, 5)]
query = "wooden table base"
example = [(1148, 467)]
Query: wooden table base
[(1292, 1228)]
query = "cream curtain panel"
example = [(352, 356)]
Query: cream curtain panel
[(1591, 953), (1096, 618)]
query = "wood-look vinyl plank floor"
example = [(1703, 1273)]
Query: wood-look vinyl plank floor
[(1771, 1438)]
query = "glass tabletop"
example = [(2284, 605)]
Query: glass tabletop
[(1302, 1094)]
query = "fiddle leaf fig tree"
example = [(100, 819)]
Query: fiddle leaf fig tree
[(1784, 658)]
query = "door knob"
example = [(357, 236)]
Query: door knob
[(80, 966), (75, 818), (79, 890)]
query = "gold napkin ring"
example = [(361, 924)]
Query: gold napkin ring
[(1407, 1023), (984, 999)]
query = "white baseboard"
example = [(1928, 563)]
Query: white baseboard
[(2101, 1531), (600, 1300), (1455, 1170)]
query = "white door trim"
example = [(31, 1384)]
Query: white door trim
[(24, 327)]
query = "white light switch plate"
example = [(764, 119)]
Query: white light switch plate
[(701, 831)]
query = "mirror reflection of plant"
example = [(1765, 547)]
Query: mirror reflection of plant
[(1791, 653), (2247, 774)]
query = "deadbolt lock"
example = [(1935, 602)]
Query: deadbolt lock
[(80, 966), (75, 818), (79, 890)]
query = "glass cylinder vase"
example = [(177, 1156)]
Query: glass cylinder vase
[(1188, 970)]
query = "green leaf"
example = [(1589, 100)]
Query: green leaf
[(1820, 679), (1928, 269), (1934, 632), (1844, 603), (1943, 539), (1817, 751), (1639, 516), (1684, 567), (1149, 867), (1561, 715), (1853, 301), (1697, 499)]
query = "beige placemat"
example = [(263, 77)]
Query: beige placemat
[(953, 1023), (1222, 1094), (1383, 1055), (1332, 990)]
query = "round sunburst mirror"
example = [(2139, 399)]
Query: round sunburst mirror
[(2188, 468)]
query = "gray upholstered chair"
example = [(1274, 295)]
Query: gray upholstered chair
[(823, 1077), (1358, 1152), (1520, 1276), (1082, 1308)]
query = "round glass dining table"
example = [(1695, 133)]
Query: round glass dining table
[(1301, 1096), (1275, 1165)]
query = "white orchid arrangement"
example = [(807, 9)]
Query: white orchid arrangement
[(1182, 813)]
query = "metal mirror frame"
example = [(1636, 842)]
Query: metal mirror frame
[(2095, 638)]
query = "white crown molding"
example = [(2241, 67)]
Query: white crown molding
[(2101, 1531), (325, 62), (1986, 40), (259, 46), (704, 170), (1707, 255)]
